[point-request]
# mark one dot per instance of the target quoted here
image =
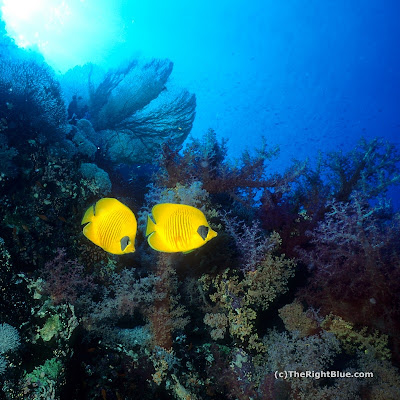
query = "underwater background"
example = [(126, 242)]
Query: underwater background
[(277, 122)]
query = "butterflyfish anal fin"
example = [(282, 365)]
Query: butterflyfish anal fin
[(187, 252)]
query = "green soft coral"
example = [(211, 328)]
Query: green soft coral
[(353, 339)]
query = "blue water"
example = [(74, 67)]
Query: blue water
[(310, 78)]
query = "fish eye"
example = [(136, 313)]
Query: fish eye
[(202, 230)]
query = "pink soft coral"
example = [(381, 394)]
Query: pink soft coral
[(354, 264), (65, 279)]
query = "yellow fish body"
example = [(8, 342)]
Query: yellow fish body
[(111, 225), (177, 228)]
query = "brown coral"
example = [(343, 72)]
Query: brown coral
[(295, 319)]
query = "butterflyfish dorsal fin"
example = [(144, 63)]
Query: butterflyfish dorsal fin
[(104, 205), (162, 211)]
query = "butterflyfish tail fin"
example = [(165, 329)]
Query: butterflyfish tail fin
[(88, 217), (90, 232), (151, 226)]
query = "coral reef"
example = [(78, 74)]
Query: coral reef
[(241, 297), (31, 104), (9, 338), (7, 167), (297, 320), (95, 179), (205, 160), (133, 109), (355, 254)]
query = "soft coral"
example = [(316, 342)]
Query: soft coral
[(354, 263)]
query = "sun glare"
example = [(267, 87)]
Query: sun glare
[(27, 20), (66, 32), (21, 10)]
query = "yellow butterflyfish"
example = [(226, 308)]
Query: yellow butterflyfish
[(111, 225), (177, 228)]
